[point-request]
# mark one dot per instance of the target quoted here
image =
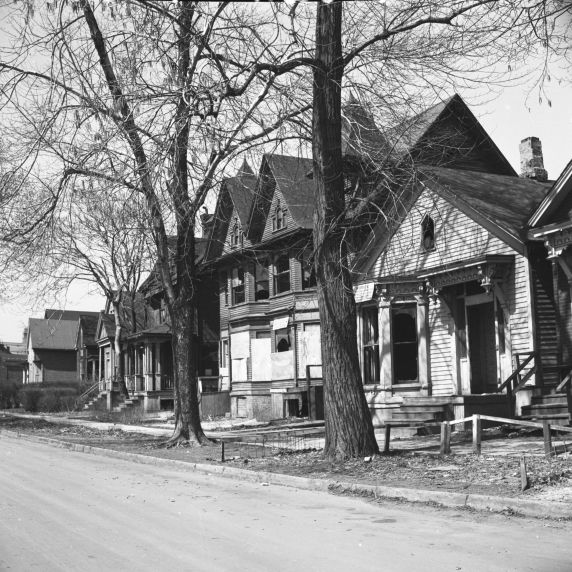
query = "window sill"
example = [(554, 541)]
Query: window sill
[(405, 386)]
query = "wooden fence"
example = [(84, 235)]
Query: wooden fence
[(215, 404)]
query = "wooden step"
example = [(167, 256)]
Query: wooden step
[(550, 398), (556, 418), (544, 410)]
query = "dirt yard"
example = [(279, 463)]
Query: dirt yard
[(492, 475)]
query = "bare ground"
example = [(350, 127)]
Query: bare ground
[(492, 475)]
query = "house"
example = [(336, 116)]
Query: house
[(146, 346), (52, 356), (270, 356), (456, 305), (87, 350)]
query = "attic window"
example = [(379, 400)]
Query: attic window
[(427, 233), (279, 217), (236, 235)]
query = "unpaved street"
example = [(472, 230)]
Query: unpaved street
[(61, 510)]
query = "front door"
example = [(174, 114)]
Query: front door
[(482, 347)]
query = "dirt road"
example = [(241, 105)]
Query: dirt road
[(61, 510)]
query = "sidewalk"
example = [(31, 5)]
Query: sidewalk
[(550, 503)]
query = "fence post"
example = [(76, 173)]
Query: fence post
[(222, 451), (387, 438), (547, 438), (445, 438), (477, 434)]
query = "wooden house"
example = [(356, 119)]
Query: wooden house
[(269, 324), (52, 356), (87, 350), (456, 309), (147, 351)]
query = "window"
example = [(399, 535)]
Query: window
[(370, 346), (279, 217), (308, 272), (236, 235), (427, 233), (501, 328), (261, 286), (282, 340), (224, 353), (404, 342), (282, 274), (224, 287), (238, 286)]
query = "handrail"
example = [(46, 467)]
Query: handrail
[(89, 390), (516, 374), (565, 382)]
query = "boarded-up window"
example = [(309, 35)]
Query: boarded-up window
[(310, 351), (261, 365)]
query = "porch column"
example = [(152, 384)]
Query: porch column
[(148, 367), (384, 325), (423, 345), (158, 365), (99, 376)]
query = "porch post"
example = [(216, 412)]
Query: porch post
[(158, 365), (384, 317), (423, 345), (148, 367)]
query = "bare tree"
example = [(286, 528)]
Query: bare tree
[(153, 98)]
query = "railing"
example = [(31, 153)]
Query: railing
[(476, 420), (516, 381), (564, 385), (166, 382), (91, 390)]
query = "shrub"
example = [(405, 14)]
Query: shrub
[(49, 397), (9, 395)]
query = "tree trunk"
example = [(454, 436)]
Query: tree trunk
[(349, 429), (120, 369)]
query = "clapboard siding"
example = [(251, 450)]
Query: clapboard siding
[(457, 238), (268, 233), (441, 356)]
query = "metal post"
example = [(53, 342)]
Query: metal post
[(477, 434), (387, 438)]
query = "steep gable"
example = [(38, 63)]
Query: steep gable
[(448, 134), (234, 205)]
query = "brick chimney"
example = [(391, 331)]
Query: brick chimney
[(531, 161)]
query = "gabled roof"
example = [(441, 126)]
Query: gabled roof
[(107, 322), (89, 326), (52, 334), (292, 177), (505, 201), (67, 314), (449, 134), (361, 137), (556, 208), (500, 203)]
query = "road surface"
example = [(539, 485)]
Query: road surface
[(62, 510)]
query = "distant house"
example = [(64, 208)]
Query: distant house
[(87, 350), (13, 367), (52, 355)]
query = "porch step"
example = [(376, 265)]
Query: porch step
[(551, 398), (545, 408), (418, 413), (554, 418)]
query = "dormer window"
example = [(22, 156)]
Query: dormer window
[(279, 217), (427, 234), (236, 235)]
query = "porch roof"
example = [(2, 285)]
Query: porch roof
[(161, 331)]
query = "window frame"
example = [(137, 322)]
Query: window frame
[(277, 277), (235, 290), (409, 308), (428, 241)]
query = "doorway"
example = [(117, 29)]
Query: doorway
[(482, 347)]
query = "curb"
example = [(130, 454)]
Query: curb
[(530, 508)]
